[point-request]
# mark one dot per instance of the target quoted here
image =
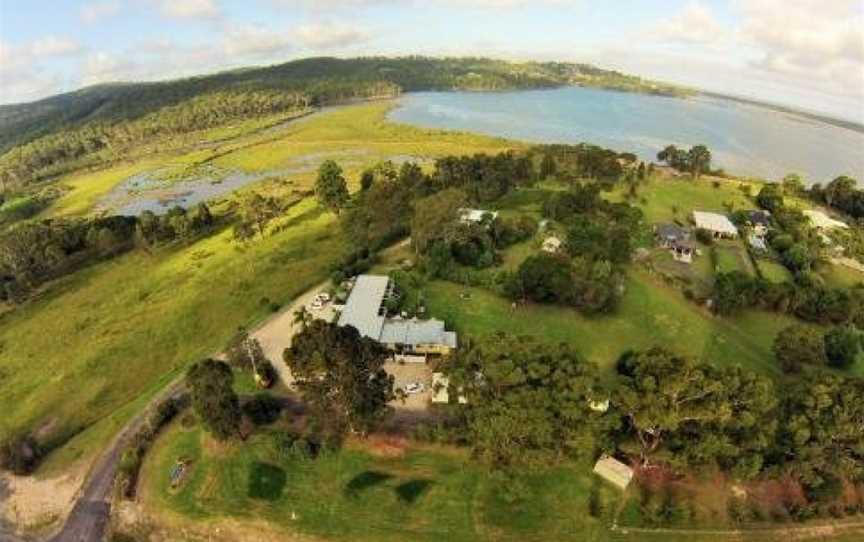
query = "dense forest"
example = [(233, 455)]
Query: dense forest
[(101, 123)]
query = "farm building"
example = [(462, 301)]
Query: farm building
[(475, 216), (821, 221), (365, 311), (677, 240), (614, 471), (760, 221), (719, 225), (552, 245)]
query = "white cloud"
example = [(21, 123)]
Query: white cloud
[(106, 67), (255, 41), (330, 35), (189, 9), (695, 25), (97, 11), (51, 46), (822, 42)]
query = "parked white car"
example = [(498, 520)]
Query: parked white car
[(316, 305), (414, 387), (324, 297)]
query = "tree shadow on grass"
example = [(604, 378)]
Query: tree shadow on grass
[(266, 482), (411, 490), (365, 480)]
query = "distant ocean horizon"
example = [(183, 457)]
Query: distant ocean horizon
[(745, 139)]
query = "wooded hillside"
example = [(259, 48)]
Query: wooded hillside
[(94, 124)]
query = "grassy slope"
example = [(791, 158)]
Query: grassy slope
[(429, 493), (86, 354), (650, 314)]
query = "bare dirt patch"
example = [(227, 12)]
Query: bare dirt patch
[(33, 505)]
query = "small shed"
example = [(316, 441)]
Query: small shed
[(613, 471), (552, 245)]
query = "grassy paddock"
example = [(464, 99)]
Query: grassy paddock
[(650, 314), (423, 492)]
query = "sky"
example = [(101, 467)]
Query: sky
[(807, 54)]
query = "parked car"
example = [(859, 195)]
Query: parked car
[(316, 305), (414, 387), (324, 297)]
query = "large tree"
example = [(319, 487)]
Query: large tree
[(823, 430), (798, 346), (842, 345), (530, 400), (213, 397), (436, 218), (341, 374), (331, 188), (660, 394), (699, 160), (255, 211)]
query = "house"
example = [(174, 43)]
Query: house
[(475, 216), (677, 240), (614, 471), (441, 391), (365, 310), (682, 251), (719, 225), (668, 234), (552, 245), (758, 242), (760, 221), (823, 222)]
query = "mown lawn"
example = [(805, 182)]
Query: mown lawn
[(667, 199), (424, 493), (774, 271), (840, 276), (650, 314)]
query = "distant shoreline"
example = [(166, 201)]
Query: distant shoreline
[(834, 121)]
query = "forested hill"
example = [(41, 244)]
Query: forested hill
[(54, 135)]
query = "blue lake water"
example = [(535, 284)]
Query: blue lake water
[(744, 139)]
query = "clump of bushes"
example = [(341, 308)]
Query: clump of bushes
[(132, 457), (20, 454)]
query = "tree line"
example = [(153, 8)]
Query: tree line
[(33, 253)]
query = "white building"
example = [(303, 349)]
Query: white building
[(719, 225), (475, 216), (552, 245), (365, 311)]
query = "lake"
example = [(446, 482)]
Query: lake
[(744, 139)]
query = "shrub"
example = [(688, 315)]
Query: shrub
[(704, 236), (20, 454), (263, 409)]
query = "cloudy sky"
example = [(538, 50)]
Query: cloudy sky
[(805, 53)]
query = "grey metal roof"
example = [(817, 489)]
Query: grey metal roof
[(363, 308), (415, 332), (672, 232)]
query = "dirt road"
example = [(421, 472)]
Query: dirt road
[(275, 334)]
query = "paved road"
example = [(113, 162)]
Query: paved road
[(92, 509), (89, 516)]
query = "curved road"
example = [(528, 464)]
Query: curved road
[(92, 509)]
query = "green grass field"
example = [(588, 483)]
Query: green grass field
[(774, 271), (669, 199), (650, 314), (423, 493)]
